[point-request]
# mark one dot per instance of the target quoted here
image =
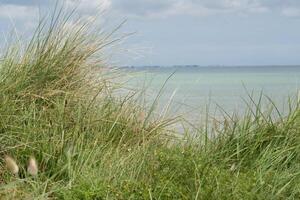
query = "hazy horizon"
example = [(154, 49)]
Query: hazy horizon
[(197, 65)]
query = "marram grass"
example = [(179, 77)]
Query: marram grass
[(57, 104)]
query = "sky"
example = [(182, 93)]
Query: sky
[(185, 32)]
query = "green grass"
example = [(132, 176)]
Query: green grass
[(56, 104)]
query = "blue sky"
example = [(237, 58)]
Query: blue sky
[(175, 32)]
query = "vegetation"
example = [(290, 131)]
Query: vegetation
[(57, 107)]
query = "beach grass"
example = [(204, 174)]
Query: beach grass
[(57, 107)]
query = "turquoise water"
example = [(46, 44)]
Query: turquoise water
[(191, 89)]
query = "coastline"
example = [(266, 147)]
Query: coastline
[(65, 135)]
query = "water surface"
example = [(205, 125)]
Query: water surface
[(191, 89)]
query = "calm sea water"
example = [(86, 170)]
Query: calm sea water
[(191, 90)]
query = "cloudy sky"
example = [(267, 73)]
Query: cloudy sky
[(171, 32)]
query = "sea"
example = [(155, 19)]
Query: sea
[(196, 91)]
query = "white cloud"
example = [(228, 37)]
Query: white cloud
[(291, 12), (156, 8), (221, 7), (90, 5), (25, 14), (17, 11), (163, 8)]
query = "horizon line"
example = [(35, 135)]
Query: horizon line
[(188, 65)]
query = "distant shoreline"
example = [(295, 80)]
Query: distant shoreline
[(185, 68), (206, 66)]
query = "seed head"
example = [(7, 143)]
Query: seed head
[(11, 165), (233, 167), (32, 167)]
